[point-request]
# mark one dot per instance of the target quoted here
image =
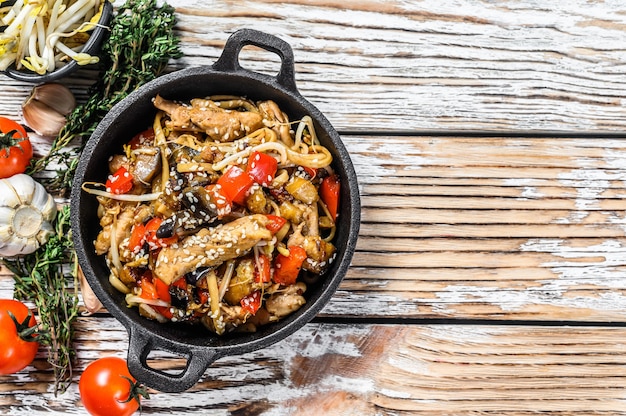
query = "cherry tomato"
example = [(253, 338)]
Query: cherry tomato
[(108, 389), (262, 167), (234, 183), (286, 268), (329, 191), (18, 345), (120, 182), (16, 150)]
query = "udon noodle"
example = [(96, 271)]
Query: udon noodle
[(220, 213)]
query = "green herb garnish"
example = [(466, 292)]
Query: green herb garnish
[(138, 49)]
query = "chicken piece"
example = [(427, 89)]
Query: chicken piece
[(219, 124), (211, 247), (286, 302), (281, 126), (319, 252), (125, 221)]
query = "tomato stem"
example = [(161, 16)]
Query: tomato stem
[(24, 331), (7, 140), (136, 392)]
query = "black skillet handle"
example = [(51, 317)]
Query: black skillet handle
[(140, 346), (229, 60)]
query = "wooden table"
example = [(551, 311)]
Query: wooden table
[(490, 271)]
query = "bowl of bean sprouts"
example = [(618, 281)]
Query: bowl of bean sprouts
[(199, 289), (42, 43)]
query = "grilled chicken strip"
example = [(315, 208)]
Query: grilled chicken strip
[(211, 247), (204, 115)]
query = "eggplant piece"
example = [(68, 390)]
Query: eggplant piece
[(201, 203), (167, 228), (180, 297), (195, 276), (147, 165)]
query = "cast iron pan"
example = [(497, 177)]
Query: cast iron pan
[(226, 76)]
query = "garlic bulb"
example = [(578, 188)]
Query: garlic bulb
[(46, 108), (26, 214)]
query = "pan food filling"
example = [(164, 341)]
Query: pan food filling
[(219, 213)]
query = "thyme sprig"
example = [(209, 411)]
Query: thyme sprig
[(42, 277), (140, 45)]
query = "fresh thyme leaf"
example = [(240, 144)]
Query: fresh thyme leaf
[(138, 49), (42, 277)]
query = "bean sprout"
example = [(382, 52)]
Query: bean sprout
[(34, 29)]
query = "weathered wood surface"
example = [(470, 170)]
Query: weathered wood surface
[(430, 65), (522, 226), (330, 369)]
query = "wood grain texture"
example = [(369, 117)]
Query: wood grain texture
[(328, 369), (487, 228), (521, 228), (428, 65)]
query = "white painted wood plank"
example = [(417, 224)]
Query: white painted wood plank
[(442, 65), (371, 369)]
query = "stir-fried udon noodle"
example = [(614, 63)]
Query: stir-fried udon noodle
[(220, 213)]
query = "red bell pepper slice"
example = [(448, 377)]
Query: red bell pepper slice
[(163, 290), (144, 138), (153, 241), (222, 203), (148, 290), (235, 183), (262, 167), (262, 272), (137, 238), (275, 223), (329, 191), (287, 268), (252, 302), (120, 182)]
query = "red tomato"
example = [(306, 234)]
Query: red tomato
[(275, 223), (234, 183), (329, 191), (18, 345), (16, 150), (286, 268), (120, 182), (108, 389), (262, 167), (252, 302), (262, 272)]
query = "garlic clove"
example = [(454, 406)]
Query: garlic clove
[(91, 302), (56, 96), (45, 109), (43, 119)]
